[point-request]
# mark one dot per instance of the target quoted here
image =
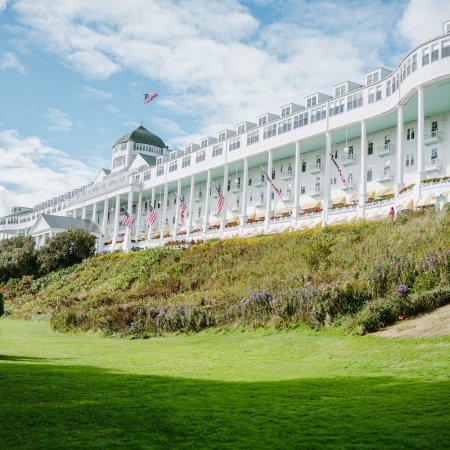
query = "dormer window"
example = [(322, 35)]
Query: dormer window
[(222, 136), (173, 155), (262, 120), (311, 102), (204, 143), (188, 149), (340, 90), (286, 111), (241, 129)]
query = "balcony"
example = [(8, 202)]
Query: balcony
[(315, 168), (259, 202), (289, 175), (315, 191), (287, 198), (348, 159), (434, 165), (349, 185), (236, 189), (386, 149), (432, 138), (385, 175), (259, 183)]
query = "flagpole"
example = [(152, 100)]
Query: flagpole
[(280, 197), (142, 107)]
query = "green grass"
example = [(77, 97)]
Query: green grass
[(261, 389)]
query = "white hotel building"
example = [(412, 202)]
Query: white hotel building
[(390, 138)]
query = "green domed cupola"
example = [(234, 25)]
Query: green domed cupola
[(142, 136)]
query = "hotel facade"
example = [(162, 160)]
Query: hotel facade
[(338, 158)]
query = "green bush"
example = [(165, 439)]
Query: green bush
[(17, 258)]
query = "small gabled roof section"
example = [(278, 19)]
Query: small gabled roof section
[(142, 136), (101, 175), (48, 222)]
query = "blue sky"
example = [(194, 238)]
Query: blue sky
[(72, 73)]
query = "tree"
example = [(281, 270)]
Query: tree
[(66, 249), (18, 257)]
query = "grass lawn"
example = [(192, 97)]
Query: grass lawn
[(264, 389)]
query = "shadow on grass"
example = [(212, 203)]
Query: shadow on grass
[(49, 406), (20, 358)]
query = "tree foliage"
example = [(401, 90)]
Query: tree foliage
[(65, 249), (18, 257)]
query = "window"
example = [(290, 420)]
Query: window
[(188, 149), (410, 133), (340, 90), (311, 102), (262, 120), (159, 171), (434, 154), (425, 56), (217, 150), (303, 188), (238, 184), (273, 174), (387, 165), (234, 144), (412, 159), (369, 174), (228, 185), (414, 62), (200, 193), (334, 154), (434, 52), (289, 170), (261, 196), (333, 178), (173, 165), (270, 131), (354, 101), (204, 143), (286, 111), (445, 51), (300, 120), (303, 165), (350, 178), (388, 88), (253, 137), (407, 160), (317, 186), (200, 156), (249, 181), (336, 107), (318, 114), (119, 162), (370, 148), (387, 141), (371, 95), (186, 161), (285, 126), (199, 211), (241, 129), (408, 66), (222, 136)]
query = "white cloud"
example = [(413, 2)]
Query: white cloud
[(58, 121), (90, 93), (423, 20), (10, 61), (3, 5), (33, 171)]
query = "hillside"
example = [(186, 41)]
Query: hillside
[(358, 277)]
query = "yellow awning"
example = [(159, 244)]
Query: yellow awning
[(385, 191), (261, 215), (405, 204), (214, 223), (284, 211), (310, 205), (426, 200), (251, 217), (354, 198), (371, 195), (233, 221), (338, 201)]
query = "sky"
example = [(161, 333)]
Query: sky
[(73, 72)]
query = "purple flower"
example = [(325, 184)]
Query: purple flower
[(403, 290)]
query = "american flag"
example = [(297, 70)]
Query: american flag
[(338, 169), (183, 211), (271, 182), (149, 97), (220, 203), (127, 219), (151, 215)]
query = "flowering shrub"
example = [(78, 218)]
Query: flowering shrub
[(403, 290), (260, 303), (406, 188)]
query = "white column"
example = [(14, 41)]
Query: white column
[(137, 230), (94, 213), (116, 220), (206, 212), (191, 206), (296, 209), (327, 186), (223, 214), (244, 214), (268, 190), (400, 183), (420, 139), (127, 239), (177, 209), (150, 227), (363, 172), (105, 216), (83, 212), (164, 216)]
